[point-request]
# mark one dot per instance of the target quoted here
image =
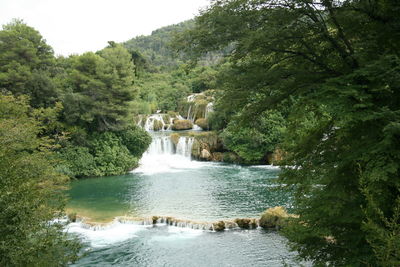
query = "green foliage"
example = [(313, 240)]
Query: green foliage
[(99, 90), (252, 140), (136, 140), (155, 48), (162, 91), (77, 162), (26, 64), (30, 193), (108, 153), (332, 69)]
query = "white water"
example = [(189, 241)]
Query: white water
[(209, 109), (163, 156), (149, 125), (116, 232)]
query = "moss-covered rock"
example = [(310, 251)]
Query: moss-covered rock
[(175, 138), (154, 219), (243, 223), (276, 156), (219, 226), (196, 149), (180, 125), (217, 156), (202, 123), (72, 216), (166, 118), (274, 218), (157, 125)]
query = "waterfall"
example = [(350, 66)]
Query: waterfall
[(163, 156), (161, 145), (209, 109), (149, 125), (189, 117), (184, 146)]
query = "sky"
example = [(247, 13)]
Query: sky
[(78, 26)]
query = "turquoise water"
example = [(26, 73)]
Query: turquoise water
[(168, 184), (209, 192)]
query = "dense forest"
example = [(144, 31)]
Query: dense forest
[(313, 83), (330, 69)]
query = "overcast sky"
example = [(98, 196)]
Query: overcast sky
[(77, 26)]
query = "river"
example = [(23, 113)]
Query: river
[(169, 184)]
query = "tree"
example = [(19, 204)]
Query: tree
[(31, 193), (334, 66), (26, 63), (100, 89)]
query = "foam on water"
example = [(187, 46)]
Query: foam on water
[(105, 236), (151, 164), (163, 156)]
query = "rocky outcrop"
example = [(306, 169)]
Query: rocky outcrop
[(276, 218), (175, 138), (246, 223), (205, 144), (180, 125), (275, 157), (219, 226), (72, 216), (202, 123)]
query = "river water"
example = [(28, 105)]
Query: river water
[(169, 184)]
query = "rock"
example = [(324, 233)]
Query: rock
[(219, 226), (253, 223), (230, 225), (276, 156), (175, 138), (72, 216), (196, 149), (243, 223), (202, 123), (274, 218), (182, 125), (217, 156), (157, 125), (205, 154), (154, 219)]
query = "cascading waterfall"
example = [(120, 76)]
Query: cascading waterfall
[(161, 145), (149, 125), (163, 156), (209, 109), (184, 146)]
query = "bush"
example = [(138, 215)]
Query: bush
[(77, 162), (136, 140), (252, 140), (274, 218), (110, 155), (182, 125), (202, 123)]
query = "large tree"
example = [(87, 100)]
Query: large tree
[(30, 193), (335, 66), (26, 64), (99, 89)]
